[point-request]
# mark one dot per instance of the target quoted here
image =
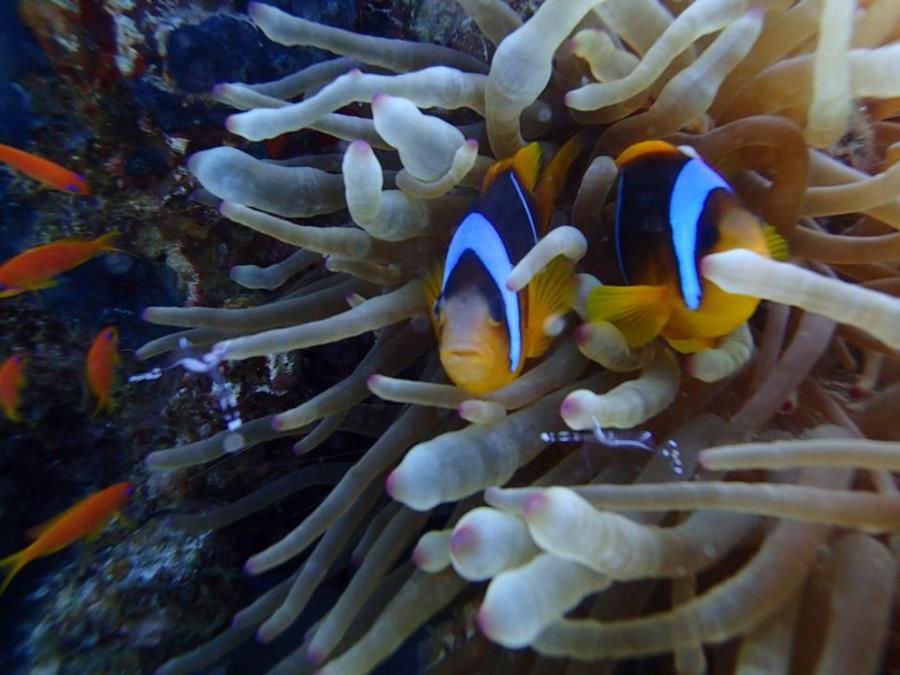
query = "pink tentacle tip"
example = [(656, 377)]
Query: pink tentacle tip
[(372, 381), (249, 568), (219, 89), (277, 423), (315, 656), (534, 504), (256, 9), (144, 313), (463, 539), (702, 457), (483, 621), (418, 556), (569, 407), (472, 143), (391, 483), (359, 147), (263, 636), (581, 333), (377, 99)]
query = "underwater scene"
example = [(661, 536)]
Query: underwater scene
[(503, 337)]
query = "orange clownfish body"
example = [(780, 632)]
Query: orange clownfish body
[(49, 173), (12, 380), (102, 359), (35, 269), (87, 518), (485, 331), (672, 209)]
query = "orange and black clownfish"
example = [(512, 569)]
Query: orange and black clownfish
[(485, 331), (671, 210)]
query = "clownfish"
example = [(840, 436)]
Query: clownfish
[(485, 331), (12, 380), (672, 209), (102, 359), (49, 173), (35, 269), (88, 518)]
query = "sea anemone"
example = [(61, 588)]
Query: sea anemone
[(590, 553)]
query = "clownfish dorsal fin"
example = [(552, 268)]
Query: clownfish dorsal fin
[(551, 293), (777, 245), (526, 163), (644, 148), (431, 285), (553, 177), (640, 312)]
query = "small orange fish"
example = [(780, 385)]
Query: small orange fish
[(49, 173), (35, 269), (87, 518), (12, 379), (486, 332), (102, 359)]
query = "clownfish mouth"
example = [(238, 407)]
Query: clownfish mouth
[(464, 353)]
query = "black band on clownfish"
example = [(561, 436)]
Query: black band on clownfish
[(671, 210), (486, 332)]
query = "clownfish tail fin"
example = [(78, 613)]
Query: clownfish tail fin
[(554, 176), (550, 295), (777, 245), (640, 312), (12, 565)]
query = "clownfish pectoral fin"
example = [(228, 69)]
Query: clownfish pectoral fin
[(692, 345), (777, 245), (640, 312), (526, 163), (553, 178), (550, 294)]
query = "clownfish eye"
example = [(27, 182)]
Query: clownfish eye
[(72, 187), (436, 308), (110, 334)]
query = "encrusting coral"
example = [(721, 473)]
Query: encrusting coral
[(762, 90)]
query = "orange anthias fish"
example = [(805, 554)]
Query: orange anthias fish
[(485, 331), (102, 359), (87, 518), (12, 380), (49, 173), (35, 269), (672, 209)]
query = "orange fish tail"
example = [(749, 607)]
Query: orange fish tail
[(104, 404), (13, 565), (106, 242)]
